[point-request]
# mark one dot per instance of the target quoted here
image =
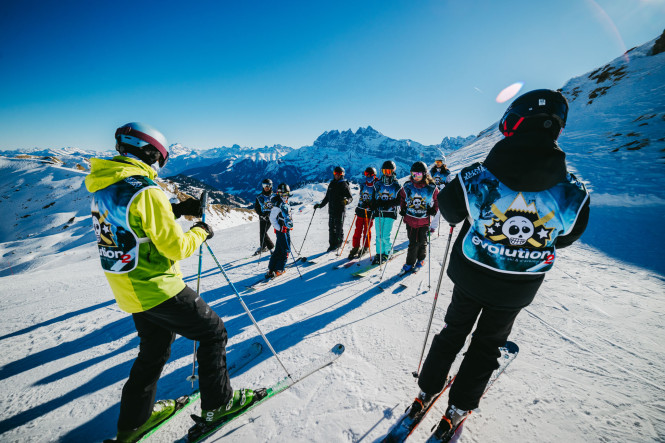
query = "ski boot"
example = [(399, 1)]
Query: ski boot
[(419, 265), (363, 251), (354, 253), (420, 405), (161, 410), (270, 275), (385, 257), (406, 268), (449, 423), (378, 259), (258, 251), (278, 273), (240, 400)]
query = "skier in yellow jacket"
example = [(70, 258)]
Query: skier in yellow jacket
[(140, 245)]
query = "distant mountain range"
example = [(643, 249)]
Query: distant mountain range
[(239, 170), (354, 151)]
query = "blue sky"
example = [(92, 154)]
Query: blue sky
[(255, 73)]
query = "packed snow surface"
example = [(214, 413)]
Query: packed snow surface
[(590, 368)]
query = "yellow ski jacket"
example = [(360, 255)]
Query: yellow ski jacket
[(139, 241)]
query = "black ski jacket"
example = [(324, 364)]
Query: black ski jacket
[(338, 191), (529, 162)]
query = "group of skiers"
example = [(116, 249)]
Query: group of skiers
[(381, 200), (516, 208)]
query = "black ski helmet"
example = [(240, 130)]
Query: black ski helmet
[(338, 170), (266, 182), (143, 141), (419, 167), (541, 110), (388, 164), (370, 171), (283, 189)]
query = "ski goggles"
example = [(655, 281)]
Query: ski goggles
[(369, 174), (338, 174), (438, 162), (387, 171), (267, 186), (416, 174)]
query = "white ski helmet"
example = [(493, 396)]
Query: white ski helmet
[(143, 141)]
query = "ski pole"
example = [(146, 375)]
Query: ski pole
[(347, 235), (429, 259), (436, 297), (368, 225), (251, 317), (293, 256), (307, 232), (204, 205), (379, 251), (392, 246)]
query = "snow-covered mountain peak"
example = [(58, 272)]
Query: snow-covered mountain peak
[(177, 150)]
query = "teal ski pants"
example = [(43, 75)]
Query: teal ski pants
[(384, 227)]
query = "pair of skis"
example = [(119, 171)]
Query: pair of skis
[(266, 281), (406, 425), (183, 402), (365, 271), (201, 429)]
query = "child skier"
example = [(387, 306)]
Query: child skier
[(140, 244), (418, 202), (385, 202), (500, 257), (442, 176), (338, 195), (364, 218), (262, 207), (280, 218)]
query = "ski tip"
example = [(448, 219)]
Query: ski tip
[(512, 347), (338, 349)]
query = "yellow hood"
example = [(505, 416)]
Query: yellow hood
[(104, 173)]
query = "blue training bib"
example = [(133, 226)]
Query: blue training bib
[(514, 232), (117, 243)]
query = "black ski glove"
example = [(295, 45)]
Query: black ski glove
[(206, 228), (317, 206), (191, 206), (431, 211), (402, 212)]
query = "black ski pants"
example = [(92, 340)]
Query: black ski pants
[(280, 255), (336, 229), (264, 238), (417, 244), (188, 315), (481, 358)]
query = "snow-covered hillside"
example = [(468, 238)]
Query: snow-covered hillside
[(45, 213), (591, 365)]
